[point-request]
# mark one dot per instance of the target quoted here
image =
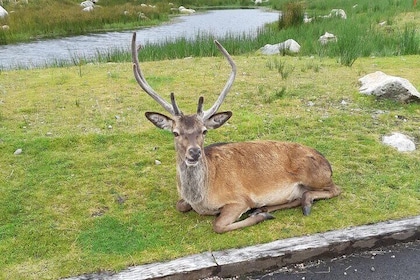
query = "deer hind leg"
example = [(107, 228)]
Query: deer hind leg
[(229, 215), (309, 196)]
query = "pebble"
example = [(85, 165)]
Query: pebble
[(158, 162), (18, 152)]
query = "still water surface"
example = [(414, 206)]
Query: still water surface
[(218, 23)]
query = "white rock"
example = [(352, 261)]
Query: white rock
[(289, 45), (18, 152), (399, 141), (386, 86), (3, 12), (338, 13), (158, 162), (327, 37), (86, 4), (87, 9), (184, 10)]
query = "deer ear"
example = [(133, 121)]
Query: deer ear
[(217, 120), (160, 120)]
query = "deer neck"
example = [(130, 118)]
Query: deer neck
[(192, 180)]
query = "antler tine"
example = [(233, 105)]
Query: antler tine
[(208, 113), (138, 74), (200, 106), (177, 112)]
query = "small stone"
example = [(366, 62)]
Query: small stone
[(48, 134), (372, 269), (18, 152), (109, 126), (158, 162)]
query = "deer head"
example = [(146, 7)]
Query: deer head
[(188, 130)]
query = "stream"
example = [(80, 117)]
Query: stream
[(217, 23)]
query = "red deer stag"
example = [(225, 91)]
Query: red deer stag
[(229, 179)]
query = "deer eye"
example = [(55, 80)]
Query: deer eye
[(176, 134), (205, 132)]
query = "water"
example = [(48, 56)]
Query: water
[(218, 23)]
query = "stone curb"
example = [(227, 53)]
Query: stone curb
[(274, 254)]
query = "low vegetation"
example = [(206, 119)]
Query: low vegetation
[(85, 194)]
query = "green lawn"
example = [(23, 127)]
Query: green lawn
[(85, 194)]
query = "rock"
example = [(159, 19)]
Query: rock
[(399, 141), (386, 86), (18, 152), (338, 13), (289, 45), (3, 12), (158, 162), (184, 10), (87, 9), (327, 38), (86, 4)]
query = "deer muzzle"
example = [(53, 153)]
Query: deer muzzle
[(193, 156)]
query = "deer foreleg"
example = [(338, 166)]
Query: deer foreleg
[(230, 213), (272, 208), (308, 197)]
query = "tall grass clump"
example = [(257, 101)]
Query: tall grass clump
[(409, 41), (292, 15)]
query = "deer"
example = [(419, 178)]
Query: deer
[(229, 180)]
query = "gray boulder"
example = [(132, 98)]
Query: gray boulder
[(3, 12), (289, 45), (327, 38), (386, 86), (399, 141)]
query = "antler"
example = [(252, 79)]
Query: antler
[(173, 108), (138, 74), (208, 113)]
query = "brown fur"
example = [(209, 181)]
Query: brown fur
[(231, 178)]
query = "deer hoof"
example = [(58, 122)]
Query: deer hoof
[(268, 216), (183, 206), (306, 210)]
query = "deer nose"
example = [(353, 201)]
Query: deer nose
[(194, 153)]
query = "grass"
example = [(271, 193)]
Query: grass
[(85, 195)]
